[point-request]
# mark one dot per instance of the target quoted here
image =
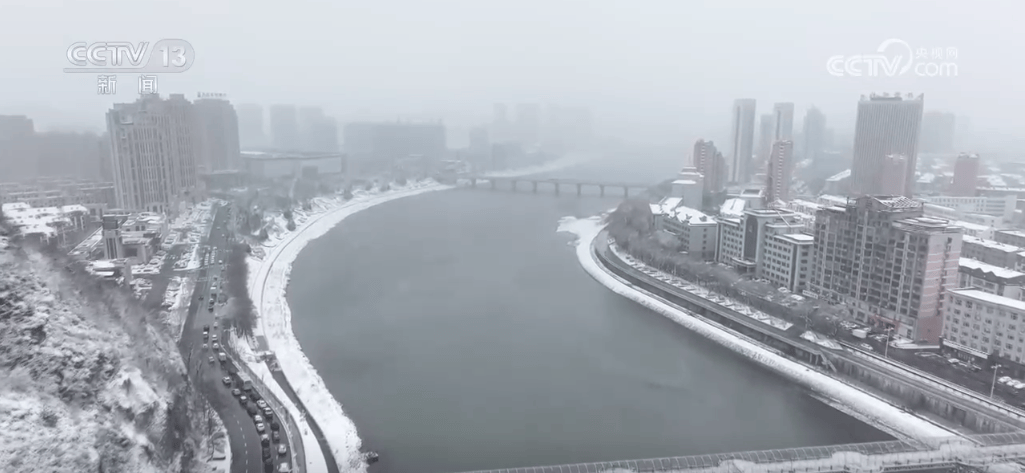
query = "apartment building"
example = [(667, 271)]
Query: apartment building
[(886, 262), (991, 252), (786, 259), (972, 274), (1000, 206), (154, 147), (984, 328), (58, 192), (1010, 237), (695, 231), (688, 186), (46, 225), (744, 241)]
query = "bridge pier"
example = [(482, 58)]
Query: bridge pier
[(535, 186), (626, 192), (579, 189), (473, 182), (514, 185), (556, 188), (601, 190), (494, 184)]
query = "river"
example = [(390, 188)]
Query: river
[(460, 333)]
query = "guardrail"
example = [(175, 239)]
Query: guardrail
[(955, 390), (289, 424)]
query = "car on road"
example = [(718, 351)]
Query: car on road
[(206, 328), (276, 436), (213, 337), (211, 359), (236, 392), (251, 409), (284, 467), (243, 399), (260, 428), (258, 419), (226, 380), (206, 336), (211, 309), (282, 449), (217, 346), (274, 425), (865, 346), (221, 356), (268, 412), (261, 403), (205, 346), (264, 440), (266, 452)]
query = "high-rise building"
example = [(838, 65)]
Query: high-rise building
[(742, 136), (783, 120), (938, 131), (893, 174), (887, 263), (887, 124), (17, 150), (781, 165), (710, 163), (154, 150), (966, 175), (317, 132), (251, 132), (371, 147), (814, 134), (501, 127), (528, 123), (765, 134), (218, 135), (284, 128)]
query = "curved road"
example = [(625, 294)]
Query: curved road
[(246, 451)]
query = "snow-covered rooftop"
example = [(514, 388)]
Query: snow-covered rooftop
[(39, 220), (839, 176), (990, 298), (991, 244), (733, 208), (968, 263)]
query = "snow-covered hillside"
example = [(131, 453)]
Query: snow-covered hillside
[(88, 380)]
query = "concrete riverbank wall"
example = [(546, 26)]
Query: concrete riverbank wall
[(914, 391)]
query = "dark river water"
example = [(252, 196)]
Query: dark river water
[(459, 332)]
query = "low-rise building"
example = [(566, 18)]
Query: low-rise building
[(984, 328), (1002, 206), (58, 192), (785, 260), (743, 240), (1010, 237), (47, 225), (990, 252), (695, 231), (989, 278), (133, 237)]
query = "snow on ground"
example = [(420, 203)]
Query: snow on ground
[(821, 340), (268, 279), (862, 405)]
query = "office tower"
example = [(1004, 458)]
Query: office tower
[(251, 132), (218, 135), (765, 134), (528, 123), (781, 166), (886, 124), (742, 136), (17, 148), (938, 130), (710, 163), (966, 175), (814, 133), (783, 120), (880, 257), (893, 174), (154, 146), (317, 132), (501, 128), (284, 128)]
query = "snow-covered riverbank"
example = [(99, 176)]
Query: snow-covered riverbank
[(268, 280), (849, 399)]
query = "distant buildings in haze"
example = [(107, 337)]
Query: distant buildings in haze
[(742, 126), (966, 175)]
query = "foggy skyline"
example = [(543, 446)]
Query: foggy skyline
[(658, 72)]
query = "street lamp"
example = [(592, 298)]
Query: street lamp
[(886, 347), (993, 386)]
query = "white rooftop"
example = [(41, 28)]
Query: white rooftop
[(991, 244), (990, 298), (997, 271), (733, 208)]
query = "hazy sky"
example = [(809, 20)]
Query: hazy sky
[(665, 71)]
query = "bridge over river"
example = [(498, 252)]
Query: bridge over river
[(955, 454), (512, 183)]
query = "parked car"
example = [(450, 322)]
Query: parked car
[(260, 428), (276, 436), (282, 449), (226, 380), (251, 409), (236, 392), (268, 412), (258, 419), (261, 403), (865, 346), (242, 400), (265, 440), (211, 359)]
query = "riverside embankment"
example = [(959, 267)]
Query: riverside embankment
[(901, 387)]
